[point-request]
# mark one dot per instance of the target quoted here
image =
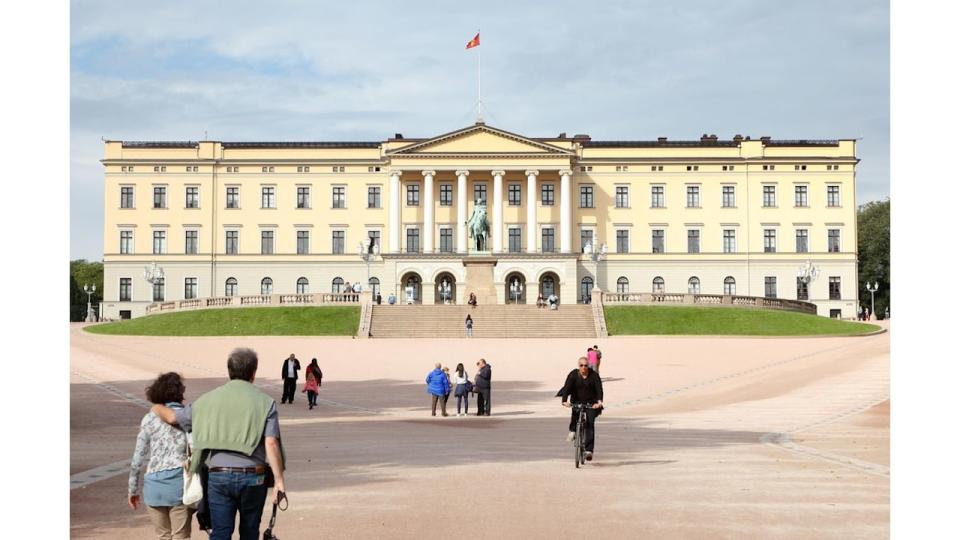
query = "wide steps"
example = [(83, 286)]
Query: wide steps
[(490, 321)]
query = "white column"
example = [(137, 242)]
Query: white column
[(428, 211), (565, 211), (393, 211), (532, 211), (496, 231), (462, 211)]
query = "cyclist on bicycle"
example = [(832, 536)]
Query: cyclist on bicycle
[(583, 385)]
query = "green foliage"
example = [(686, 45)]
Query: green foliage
[(83, 273), (259, 321), (719, 321), (873, 252)]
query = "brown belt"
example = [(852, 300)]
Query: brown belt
[(259, 469)]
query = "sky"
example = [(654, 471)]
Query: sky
[(322, 71)]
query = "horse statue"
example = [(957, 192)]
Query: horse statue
[(478, 226)]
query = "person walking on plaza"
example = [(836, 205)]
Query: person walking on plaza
[(583, 386), (236, 432), (289, 373), (469, 325), (592, 359), (313, 378), (483, 387), (166, 446), (437, 386), (596, 349), (462, 391)]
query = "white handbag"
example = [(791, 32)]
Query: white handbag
[(192, 489)]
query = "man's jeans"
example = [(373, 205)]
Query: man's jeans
[(229, 492)]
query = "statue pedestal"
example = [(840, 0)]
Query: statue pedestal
[(480, 278)]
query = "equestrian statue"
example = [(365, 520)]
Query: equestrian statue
[(479, 228)]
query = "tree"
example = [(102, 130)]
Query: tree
[(83, 273), (873, 252)]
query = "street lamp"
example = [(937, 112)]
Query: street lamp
[(444, 289), (368, 252), (516, 289), (872, 292), (90, 289)]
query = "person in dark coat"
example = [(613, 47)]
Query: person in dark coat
[(583, 385), (483, 387), (290, 374)]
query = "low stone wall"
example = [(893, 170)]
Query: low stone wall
[(256, 301), (718, 300)]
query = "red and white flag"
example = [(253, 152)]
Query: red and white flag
[(475, 42)]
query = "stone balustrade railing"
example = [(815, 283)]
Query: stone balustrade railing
[(256, 300), (719, 300)]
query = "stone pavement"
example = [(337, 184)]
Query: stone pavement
[(703, 437)]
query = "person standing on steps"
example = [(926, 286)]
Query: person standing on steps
[(438, 385), (289, 373), (484, 373), (469, 325)]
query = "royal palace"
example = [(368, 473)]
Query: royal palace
[(481, 210)]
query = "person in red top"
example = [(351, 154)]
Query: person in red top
[(312, 385)]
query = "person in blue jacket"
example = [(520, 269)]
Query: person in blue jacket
[(438, 385)]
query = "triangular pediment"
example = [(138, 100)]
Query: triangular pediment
[(480, 139)]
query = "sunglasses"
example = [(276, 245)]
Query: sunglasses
[(583, 365)]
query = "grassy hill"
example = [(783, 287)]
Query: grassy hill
[(273, 321), (714, 321)]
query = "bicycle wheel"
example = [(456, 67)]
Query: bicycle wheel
[(582, 429), (577, 448)]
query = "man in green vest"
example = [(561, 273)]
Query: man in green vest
[(236, 432)]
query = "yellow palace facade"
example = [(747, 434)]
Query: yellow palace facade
[(566, 215)]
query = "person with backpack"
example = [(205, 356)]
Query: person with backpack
[(463, 388)]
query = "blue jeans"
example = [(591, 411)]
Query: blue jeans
[(229, 492)]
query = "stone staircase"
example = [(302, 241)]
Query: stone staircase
[(489, 321)]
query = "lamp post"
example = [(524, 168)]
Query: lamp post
[(872, 291), (516, 289), (444, 289), (90, 289), (368, 252)]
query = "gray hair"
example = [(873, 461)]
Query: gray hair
[(437, 365), (242, 364)]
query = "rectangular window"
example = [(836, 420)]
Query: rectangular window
[(303, 242), (232, 245), (693, 196), (769, 196), (586, 196), (480, 193), (513, 195), (373, 197), (835, 287), (833, 196), (803, 292), (413, 194), (126, 197), (446, 240), (159, 295), (769, 240), (513, 235), (833, 240), (190, 242), (623, 241), (656, 196), (800, 196), (770, 286), (413, 240), (126, 285), (126, 242), (693, 241), (729, 241), (374, 237), (586, 237), (338, 242), (233, 197), (446, 194), (190, 288), (546, 240), (266, 242), (729, 197), (546, 194), (803, 245), (193, 197), (623, 197), (303, 197), (159, 242), (657, 241), (339, 197), (268, 197), (159, 197)]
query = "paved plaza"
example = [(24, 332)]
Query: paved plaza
[(701, 438)]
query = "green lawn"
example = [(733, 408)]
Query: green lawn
[(259, 321), (714, 321)]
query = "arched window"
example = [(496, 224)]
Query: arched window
[(693, 285), (266, 286), (623, 285), (658, 285), (729, 286), (586, 289), (230, 288), (303, 286), (337, 286), (374, 284)]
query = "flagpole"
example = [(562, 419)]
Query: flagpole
[(478, 79)]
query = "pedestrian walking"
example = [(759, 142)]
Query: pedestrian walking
[(290, 374), (437, 386), (166, 446), (484, 373), (469, 325), (311, 386), (596, 349), (592, 358), (463, 387)]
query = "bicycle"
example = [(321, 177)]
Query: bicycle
[(580, 433)]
